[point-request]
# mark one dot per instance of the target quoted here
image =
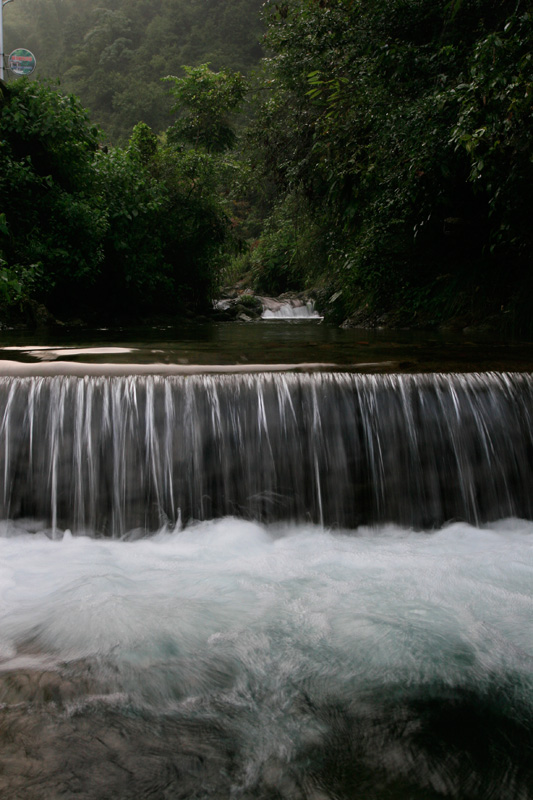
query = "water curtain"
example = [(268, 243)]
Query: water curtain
[(112, 455)]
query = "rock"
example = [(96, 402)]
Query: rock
[(224, 304), (270, 303), (229, 293), (38, 315), (250, 306), (245, 307)]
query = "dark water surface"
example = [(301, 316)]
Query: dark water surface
[(273, 342)]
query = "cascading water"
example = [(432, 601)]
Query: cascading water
[(108, 455), (267, 586), (290, 311)]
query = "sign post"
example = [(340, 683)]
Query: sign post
[(2, 4)]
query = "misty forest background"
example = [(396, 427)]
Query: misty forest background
[(376, 152)]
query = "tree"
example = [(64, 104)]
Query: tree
[(113, 53), (53, 219), (406, 126), (93, 230), (204, 101), (493, 128)]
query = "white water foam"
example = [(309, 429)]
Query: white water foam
[(279, 603), (290, 311), (322, 660)]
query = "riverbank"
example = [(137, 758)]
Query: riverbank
[(239, 303)]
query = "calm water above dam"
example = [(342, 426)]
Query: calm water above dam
[(304, 585), (273, 342)]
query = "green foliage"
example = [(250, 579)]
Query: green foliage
[(50, 128), (97, 230), (494, 127), (291, 243), (235, 268), (15, 281), (204, 101), (193, 225), (142, 145), (389, 158), (46, 186), (249, 301), (406, 126), (113, 54), (11, 289)]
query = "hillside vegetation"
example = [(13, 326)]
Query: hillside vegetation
[(383, 154), (113, 54), (397, 140)]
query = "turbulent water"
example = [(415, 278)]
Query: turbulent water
[(236, 660), (289, 311), (290, 655)]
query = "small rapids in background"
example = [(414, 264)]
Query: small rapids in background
[(291, 311), (233, 659)]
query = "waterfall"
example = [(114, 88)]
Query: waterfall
[(109, 455), (287, 311)]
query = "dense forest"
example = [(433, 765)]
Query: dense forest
[(112, 54), (378, 152), (400, 133)]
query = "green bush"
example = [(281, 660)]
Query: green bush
[(112, 230), (406, 125), (290, 252)]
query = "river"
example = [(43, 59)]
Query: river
[(223, 576)]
